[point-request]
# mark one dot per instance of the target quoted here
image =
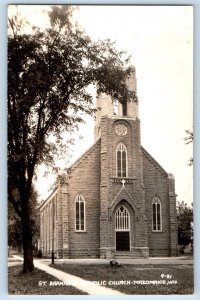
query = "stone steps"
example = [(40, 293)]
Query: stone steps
[(128, 254)]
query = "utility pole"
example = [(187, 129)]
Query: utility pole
[(52, 253)]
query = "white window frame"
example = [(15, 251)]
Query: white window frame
[(157, 201), (80, 199), (122, 219), (121, 147)]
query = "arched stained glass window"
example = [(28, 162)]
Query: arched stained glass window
[(80, 213), (157, 215), (122, 219), (121, 160)]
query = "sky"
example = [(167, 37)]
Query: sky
[(160, 42)]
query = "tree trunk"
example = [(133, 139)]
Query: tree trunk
[(27, 248), (27, 239)]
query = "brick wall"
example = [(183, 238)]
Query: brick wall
[(156, 184), (49, 210), (112, 192), (84, 178), (94, 177)]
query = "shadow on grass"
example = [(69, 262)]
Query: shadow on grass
[(137, 279), (36, 283)]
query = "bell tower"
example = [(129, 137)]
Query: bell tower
[(122, 191), (107, 107)]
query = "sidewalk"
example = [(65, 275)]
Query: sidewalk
[(79, 283), (12, 261), (182, 260)]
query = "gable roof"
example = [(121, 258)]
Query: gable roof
[(153, 161), (84, 155)]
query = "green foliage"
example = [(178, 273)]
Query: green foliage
[(15, 226), (48, 76), (189, 139), (49, 72), (185, 224)]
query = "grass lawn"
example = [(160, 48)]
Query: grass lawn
[(28, 284), (178, 278)]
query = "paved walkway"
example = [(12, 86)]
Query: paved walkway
[(182, 260), (88, 286), (12, 261), (79, 283)]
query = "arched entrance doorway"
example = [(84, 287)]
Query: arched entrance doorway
[(122, 228)]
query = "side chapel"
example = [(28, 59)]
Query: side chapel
[(115, 200)]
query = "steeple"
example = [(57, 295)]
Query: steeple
[(107, 107)]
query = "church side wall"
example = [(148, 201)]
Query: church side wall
[(156, 184), (51, 226), (84, 179)]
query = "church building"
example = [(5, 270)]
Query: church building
[(115, 201)]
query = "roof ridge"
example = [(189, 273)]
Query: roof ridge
[(78, 160), (153, 160)]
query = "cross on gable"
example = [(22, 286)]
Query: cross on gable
[(123, 182)]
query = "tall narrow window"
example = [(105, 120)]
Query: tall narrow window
[(80, 213), (157, 217), (121, 160)]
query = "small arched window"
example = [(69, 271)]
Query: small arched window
[(80, 213), (121, 160), (157, 214)]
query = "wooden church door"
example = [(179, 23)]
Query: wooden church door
[(122, 229)]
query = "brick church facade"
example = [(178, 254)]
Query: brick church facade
[(115, 200)]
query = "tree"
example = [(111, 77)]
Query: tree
[(14, 229), (189, 139), (15, 226), (185, 223), (48, 75)]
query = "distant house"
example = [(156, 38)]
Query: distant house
[(115, 200)]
